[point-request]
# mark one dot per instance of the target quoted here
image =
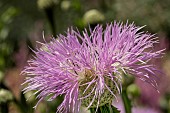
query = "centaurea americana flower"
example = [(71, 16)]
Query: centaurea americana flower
[(87, 68)]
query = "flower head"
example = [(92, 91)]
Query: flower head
[(87, 69)]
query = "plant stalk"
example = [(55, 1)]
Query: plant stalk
[(126, 101)]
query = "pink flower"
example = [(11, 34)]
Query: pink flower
[(87, 69)]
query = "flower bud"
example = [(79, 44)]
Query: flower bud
[(65, 5), (5, 96), (43, 4), (93, 16), (133, 91)]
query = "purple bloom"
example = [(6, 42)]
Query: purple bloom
[(87, 69)]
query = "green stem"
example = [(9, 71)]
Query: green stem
[(50, 16), (126, 101), (169, 106), (103, 5), (107, 108), (4, 108)]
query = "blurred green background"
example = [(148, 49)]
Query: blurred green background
[(22, 23)]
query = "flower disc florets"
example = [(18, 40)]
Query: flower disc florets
[(87, 69)]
